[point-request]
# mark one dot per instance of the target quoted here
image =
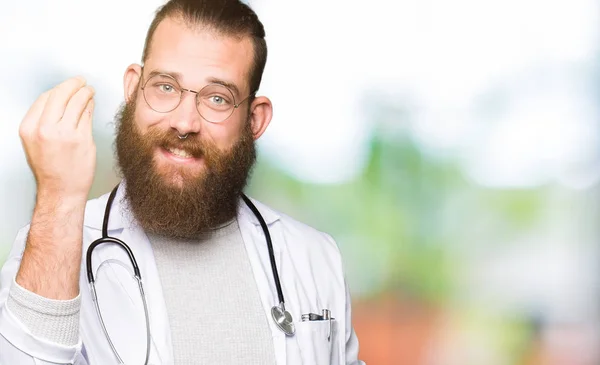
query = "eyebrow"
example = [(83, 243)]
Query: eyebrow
[(211, 80), (233, 87), (176, 75)]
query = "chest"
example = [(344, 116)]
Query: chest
[(309, 285), (207, 283)]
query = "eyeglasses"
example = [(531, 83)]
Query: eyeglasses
[(215, 102)]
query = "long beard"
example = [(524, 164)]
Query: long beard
[(199, 202)]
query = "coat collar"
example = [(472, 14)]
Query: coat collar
[(121, 216)]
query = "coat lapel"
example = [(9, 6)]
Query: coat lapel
[(122, 225), (258, 254), (121, 305)]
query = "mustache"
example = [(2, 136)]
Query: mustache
[(170, 139)]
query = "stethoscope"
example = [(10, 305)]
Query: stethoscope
[(281, 317)]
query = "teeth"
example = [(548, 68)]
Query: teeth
[(179, 153)]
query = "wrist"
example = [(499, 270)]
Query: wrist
[(58, 206), (56, 219), (61, 200)]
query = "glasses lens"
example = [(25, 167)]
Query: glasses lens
[(162, 93), (215, 103)]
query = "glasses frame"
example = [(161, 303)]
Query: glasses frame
[(197, 92)]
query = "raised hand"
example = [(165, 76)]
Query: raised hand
[(57, 137)]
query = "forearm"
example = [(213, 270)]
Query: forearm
[(51, 262)]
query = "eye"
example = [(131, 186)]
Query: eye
[(166, 88), (218, 100)]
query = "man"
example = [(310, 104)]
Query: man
[(185, 147)]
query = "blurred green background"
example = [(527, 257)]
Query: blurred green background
[(450, 148)]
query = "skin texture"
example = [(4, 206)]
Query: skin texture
[(57, 138), (178, 200), (198, 55), (187, 196)]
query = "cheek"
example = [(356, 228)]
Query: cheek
[(146, 117), (223, 135)]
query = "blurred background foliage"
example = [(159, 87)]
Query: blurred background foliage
[(450, 148)]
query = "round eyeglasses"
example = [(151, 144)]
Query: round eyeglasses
[(214, 102)]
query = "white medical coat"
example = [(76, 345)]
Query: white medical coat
[(310, 270)]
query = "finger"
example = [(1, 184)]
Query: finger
[(58, 99), (85, 121), (76, 106), (33, 115)]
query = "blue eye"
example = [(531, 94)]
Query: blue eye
[(166, 88), (217, 100)]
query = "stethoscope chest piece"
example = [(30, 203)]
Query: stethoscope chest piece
[(283, 320)]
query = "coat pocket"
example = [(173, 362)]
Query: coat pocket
[(316, 340)]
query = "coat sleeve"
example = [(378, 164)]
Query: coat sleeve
[(17, 344), (351, 338)]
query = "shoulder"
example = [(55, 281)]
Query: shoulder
[(310, 254), (297, 234)]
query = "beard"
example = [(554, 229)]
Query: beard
[(177, 202)]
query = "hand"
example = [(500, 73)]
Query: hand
[(57, 137)]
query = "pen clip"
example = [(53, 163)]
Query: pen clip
[(311, 317), (326, 316)]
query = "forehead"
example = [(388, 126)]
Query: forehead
[(200, 54)]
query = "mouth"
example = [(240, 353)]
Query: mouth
[(179, 152), (178, 155)]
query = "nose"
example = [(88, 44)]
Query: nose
[(185, 119)]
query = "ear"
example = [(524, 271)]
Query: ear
[(261, 112), (131, 80)]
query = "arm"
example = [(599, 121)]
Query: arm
[(52, 257), (56, 135), (21, 343), (43, 269), (351, 339)]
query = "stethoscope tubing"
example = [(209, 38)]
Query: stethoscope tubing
[(136, 270), (265, 229), (107, 239)]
